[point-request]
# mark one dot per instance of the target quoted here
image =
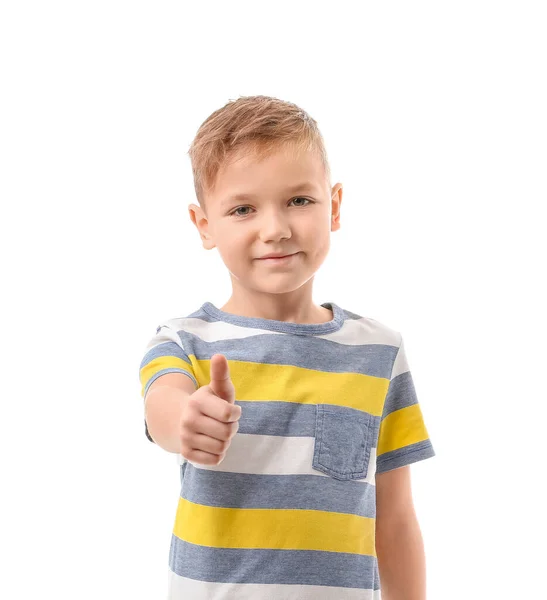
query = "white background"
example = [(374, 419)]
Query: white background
[(434, 115)]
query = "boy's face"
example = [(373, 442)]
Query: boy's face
[(276, 216)]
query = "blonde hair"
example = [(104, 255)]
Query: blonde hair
[(252, 125)]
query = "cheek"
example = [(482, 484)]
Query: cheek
[(318, 237), (322, 247), (232, 248)]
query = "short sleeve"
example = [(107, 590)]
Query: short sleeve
[(403, 437), (164, 353)]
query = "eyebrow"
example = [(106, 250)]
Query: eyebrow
[(300, 187)]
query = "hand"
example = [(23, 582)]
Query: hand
[(210, 417)]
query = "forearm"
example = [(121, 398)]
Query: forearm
[(163, 410), (401, 560)]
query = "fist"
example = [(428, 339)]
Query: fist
[(210, 417)]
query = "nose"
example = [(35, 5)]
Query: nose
[(274, 226)]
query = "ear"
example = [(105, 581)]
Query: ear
[(199, 219), (336, 197)]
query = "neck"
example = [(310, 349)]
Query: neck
[(292, 307)]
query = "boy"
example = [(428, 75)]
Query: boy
[(294, 423)]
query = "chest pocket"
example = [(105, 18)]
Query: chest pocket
[(343, 440)]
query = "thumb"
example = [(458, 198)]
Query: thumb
[(220, 383)]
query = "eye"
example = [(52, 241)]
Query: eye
[(236, 214), (301, 198)]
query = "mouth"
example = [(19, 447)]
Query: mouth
[(278, 259)]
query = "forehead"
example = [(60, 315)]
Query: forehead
[(245, 176)]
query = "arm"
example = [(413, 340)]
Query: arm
[(163, 407), (399, 543)]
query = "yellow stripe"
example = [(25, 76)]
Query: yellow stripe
[(287, 383), (160, 363), (256, 381), (402, 428), (278, 529)]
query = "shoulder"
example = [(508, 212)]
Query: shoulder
[(185, 323), (370, 328)]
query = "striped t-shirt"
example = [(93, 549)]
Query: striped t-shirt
[(289, 514)]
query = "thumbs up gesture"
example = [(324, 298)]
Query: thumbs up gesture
[(210, 417)]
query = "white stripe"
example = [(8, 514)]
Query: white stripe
[(183, 587), (354, 332), (274, 455), (165, 334), (401, 364)]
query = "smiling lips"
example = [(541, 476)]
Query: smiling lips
[(276, 255), (278, 259)]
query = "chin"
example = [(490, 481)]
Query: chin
[(277, 285)]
